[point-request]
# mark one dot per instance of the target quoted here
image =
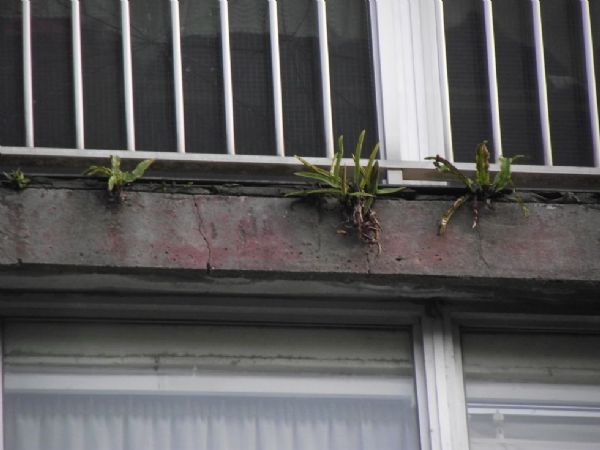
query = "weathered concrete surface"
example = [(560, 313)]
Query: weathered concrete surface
[(242, 235)]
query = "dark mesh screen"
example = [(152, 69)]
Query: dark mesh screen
[(153, 75), (567, 92), (351, 70), (202, 77), (467, 76), (52, 73), (301, 78), (12, 129), (251, 75), (517, 81), (104, 110)]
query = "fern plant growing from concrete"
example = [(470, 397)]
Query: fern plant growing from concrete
[(16, 179), (118, 178), (356, 192), (481, 191)]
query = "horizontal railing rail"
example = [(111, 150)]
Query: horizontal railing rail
[(277, 169)]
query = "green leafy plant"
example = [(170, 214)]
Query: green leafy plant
[(481, 190), (17, 179), (356, 193), (118, 178)]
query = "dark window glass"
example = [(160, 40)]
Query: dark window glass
[(351, 70), (52, 73), (102, 75), (566, 79), (301, 78), (467, 77), (517, 81), (251, 76), (12, 130), (153, 75), (202, 77)]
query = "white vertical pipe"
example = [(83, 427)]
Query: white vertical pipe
[(375, 43), (445, 90), (77, 74), (227, 85), (178, 76), (276, 74), (591, 79), (127, 75), (541, 81), (325, 78), (27, 74), (492, 77)]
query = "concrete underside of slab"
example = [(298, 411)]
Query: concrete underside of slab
[(64, 246)]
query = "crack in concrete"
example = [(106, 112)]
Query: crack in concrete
[(480, 250), (209, 265)]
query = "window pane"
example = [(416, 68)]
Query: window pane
[(52, 73), (104, 110), (251, 76), (301, 78), (133, 386), (202, 77), (12, 130), (351, 69), (467, 76), (152, 56), (517, 81), (567, 92), (531, 391)]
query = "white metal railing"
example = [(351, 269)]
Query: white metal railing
[(321, 9)]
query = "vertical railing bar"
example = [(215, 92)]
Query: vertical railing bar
[(325, 78), (541, 81), (77, 75), (492, 77), (591, 79), (444, 86), (227, 84), (276, 74), (178, 77), (27, 74), (127, 75), (375, 42)]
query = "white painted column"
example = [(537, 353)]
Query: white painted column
[(492, 77), (325, 78), (177, 77), (77, 75), (227, 83), (541, 81), (276, 75), (444, 85), (591, 78), (27, 75), (127, 75)]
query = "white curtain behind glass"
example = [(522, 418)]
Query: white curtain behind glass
[(134, 422), (91, 386)]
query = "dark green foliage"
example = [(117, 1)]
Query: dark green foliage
[(356, 194), (118, 178), (17, 179), (481, 190)]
